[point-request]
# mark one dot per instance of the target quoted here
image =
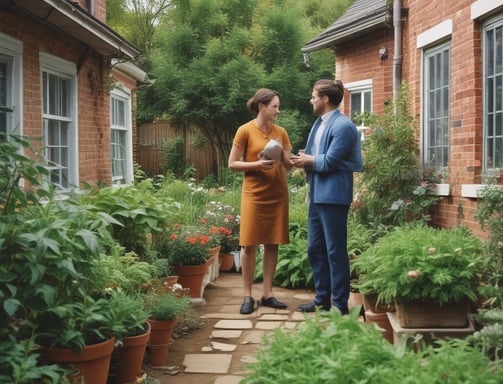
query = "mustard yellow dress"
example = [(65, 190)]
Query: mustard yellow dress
[(264, 197)]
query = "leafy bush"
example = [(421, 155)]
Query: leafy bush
[(421, 262), (489, 215), (389, 191), (331, 348)]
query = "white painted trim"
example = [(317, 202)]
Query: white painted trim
[(65, 68), (482, 8), (358, 85), (441, 190), (472, 190), (434, 34), (13, 49), (125, 95)]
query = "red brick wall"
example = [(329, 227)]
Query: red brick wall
[(93, 97), (359, 60)]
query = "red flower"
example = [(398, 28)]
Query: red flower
[(172, 236)]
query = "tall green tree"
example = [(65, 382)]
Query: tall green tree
[(209, 57), (137, 20)]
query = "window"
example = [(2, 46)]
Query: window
[(360, 102), (121, 150), (493, 97), (59, 120), (436, 84), (10, 85), (4, 76)]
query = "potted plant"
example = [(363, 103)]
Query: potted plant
[(119, 270), (132, 337), (48, 248), (418, 264), (223, 223), (164, 309), (189, 253)]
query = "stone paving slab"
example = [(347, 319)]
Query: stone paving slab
[(234, 324), (268, 325), (207, 363), (226, 334)]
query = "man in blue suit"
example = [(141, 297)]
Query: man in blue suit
[(332, 154)]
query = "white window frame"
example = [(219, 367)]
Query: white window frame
[(11, 54), (63, 69), (489, 169), (361, 87), (431, 116), (123, 95)]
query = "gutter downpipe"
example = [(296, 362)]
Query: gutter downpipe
[(397, 50)]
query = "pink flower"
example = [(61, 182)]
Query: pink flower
[(412, 274)]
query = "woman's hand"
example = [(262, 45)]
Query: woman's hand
[(265, 164)]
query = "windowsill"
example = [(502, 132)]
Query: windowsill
[(473, 190), (441, 190)]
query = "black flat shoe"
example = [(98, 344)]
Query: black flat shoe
[(272, 302), (248, 306), (311, 307)]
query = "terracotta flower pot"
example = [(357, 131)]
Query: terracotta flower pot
[(160, 341), (194, 277), (92, 363), (226, 261), (130, 357), (382, 321)]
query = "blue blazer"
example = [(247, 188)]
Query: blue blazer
[(339, 155)]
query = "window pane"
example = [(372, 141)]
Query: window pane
[(119, 134), (367, 102), (3, 99), (437, 102), (356, 103), (493, 97)]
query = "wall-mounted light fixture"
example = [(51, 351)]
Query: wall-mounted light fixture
[(383, 54)]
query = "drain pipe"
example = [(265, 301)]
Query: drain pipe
[(397, 50)]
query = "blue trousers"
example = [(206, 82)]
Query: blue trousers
[(328, 255)]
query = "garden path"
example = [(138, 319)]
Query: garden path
[(219, 351)]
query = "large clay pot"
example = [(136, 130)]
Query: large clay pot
[(130, 357), (382, 321), (194, 277), (226, 261), (160, 341), (92, 362)]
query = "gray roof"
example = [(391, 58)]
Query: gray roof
[(360, 18)]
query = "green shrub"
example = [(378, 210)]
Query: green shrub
[(389, 189), (421, 262), (331, 348)]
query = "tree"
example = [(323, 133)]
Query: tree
[(137, 19), (209, 57)]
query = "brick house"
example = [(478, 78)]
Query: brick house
[(70, 81), (450, 54)]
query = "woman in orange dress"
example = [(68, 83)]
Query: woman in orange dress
[(261, 149)]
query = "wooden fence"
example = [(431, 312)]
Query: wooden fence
[(150, 156)]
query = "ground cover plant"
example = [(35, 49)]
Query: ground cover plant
[(331, 348)]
